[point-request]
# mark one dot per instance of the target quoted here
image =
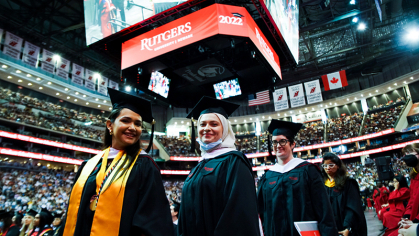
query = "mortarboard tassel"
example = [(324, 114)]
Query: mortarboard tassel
[(151, 137), (193, 138)]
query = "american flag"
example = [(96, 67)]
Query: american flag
[(261, 98)]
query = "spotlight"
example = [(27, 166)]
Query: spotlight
[(49, 83), (411, 77), (110, 108), (18, 71), (355, 19), (68, 97), (9, 77), (57, 94), (40, 88), (4, 66), (98, 105), (29, 84), (19, 81), (405, 82), (412, 34), (66, 89), (362, 26), (128, 88), (87, 103), (56, 57), (38, 79), (84, 95), (28, 75), (352, 2), (77, 93), (250, 119)]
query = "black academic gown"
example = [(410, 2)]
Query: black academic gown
[(297, 195), (347, 208), (13, 231), (219, 198), (145, 210)]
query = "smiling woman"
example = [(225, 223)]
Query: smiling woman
[(119, 191)]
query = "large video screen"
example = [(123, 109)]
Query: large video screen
[(227, 89), (285, 14), (159, 84), (106, 17)]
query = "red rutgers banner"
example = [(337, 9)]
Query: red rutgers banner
[(202, 24)]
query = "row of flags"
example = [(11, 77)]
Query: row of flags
[(297, 94), (58, 66)]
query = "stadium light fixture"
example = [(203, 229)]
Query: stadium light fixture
[(49, 83), (362, 26), (28, 75), (68, 97), (412, 34), (18, 71), (4, 66), (355, 19), (56, 57), (40, 88), (98, 105), (19, 81), (66, 89), (30, 84), (352, 2), (84, 95), (411, 78), (128, 88), (245, 121), (362, 95), (57, 94), (395, 84), (87, 103), (77, 93), (38, 79), (9, 77), (250, 118), (405, 82)]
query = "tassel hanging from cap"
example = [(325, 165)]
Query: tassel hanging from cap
[(150, 144), (193, 138), (270, 157)]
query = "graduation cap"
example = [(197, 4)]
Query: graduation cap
[(280, 127), (46, 215), (136, 104), (57, 214), (5, 214), (209, 105), (31, 212)]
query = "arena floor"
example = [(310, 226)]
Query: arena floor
[(373, 224)]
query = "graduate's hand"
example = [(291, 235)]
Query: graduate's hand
[(411, 231), (344, 232), (405, 222)]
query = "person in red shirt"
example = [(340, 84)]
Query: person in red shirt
[(384, 192), (376, 198), (392, 213), (369, 203)]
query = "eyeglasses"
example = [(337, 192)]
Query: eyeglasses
[(281, 142), (328, 165)]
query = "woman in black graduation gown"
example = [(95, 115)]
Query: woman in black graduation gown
[(344, 197), (120, 191), (218, 196), (293, 189)]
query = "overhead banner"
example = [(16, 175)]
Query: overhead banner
[(313, 91), (113, 85), (280, 99), (90, 76), (47, 64), (12, 45), (77, 74), (31, 54), (1, 35), (102, 86), (90, 85), (296, 95), (63, 68), (202, 24), (312, 116)]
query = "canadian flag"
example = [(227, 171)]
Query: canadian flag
[(335, 80)]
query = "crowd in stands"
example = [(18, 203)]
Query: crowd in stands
[(246, 144), (49, 115), (176, 146), (344, 127), (312, 133), (382, 120)]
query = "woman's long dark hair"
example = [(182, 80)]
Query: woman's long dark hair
[(44, 222), (341, 174), (414, 147), (402, 181), (131, 151)]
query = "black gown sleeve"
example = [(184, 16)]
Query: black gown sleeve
[(152, 216), (354, 215), (13, 231), (321, 202), (240, 215), (261, 204)]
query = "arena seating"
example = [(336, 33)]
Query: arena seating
[(385, 118), (344, 127)]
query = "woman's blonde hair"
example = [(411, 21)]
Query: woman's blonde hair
[(25, 229)]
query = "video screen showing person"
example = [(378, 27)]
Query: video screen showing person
[(227, 89), (159, 84), (285, 13), (106, 17)]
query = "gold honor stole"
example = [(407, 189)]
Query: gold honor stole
[(106, 220), (329, 183)]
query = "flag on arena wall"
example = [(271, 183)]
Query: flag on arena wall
[(12, 45), (63, 68), (77, 74), (113, 85), (102, 85), (280, 99), (296, 95), (335, 80), (48, 63), (313, 91), (311, 116), (261, 98), (31, 54)]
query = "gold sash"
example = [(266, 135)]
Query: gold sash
[(106, 220)]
